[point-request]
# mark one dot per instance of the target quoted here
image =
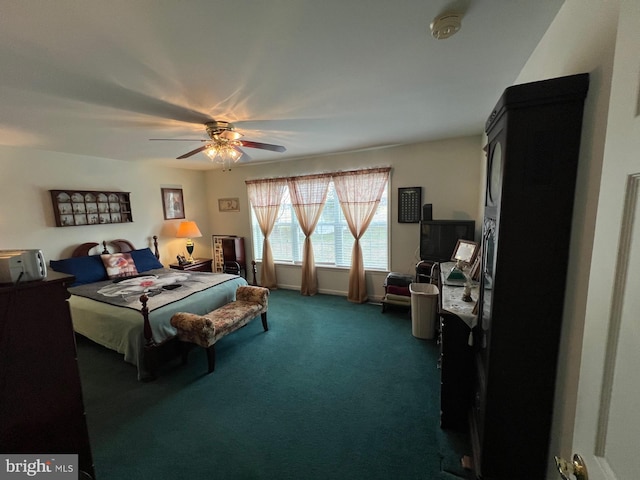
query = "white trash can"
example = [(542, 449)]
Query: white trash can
[(424, 305)]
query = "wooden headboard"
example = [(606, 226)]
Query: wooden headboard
[(120, 244)]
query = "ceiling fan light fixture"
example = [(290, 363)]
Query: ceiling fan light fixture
[(224, 144), (211, 152), (224, 151), (230, 135)]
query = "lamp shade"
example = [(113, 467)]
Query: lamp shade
[(188, 230)]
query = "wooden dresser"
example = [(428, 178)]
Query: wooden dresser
[(40, 391), (456, 352)]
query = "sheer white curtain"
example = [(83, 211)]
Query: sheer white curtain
[(265, 197), (359, 194), (308, 196)]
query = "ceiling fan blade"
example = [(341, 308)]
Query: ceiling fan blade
[(180, 139), (88, 88), (193, 152), (263, 146)]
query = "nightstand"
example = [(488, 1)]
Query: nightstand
[(198, 265)]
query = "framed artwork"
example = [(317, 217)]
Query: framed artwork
[(229, 204), (409, 204), (465, 251), (172, 203)]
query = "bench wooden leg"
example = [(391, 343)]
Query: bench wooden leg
[(211, 358), (264, 321)]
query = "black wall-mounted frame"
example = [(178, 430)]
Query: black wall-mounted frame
[(409, 204)]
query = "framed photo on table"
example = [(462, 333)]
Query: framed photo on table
[(172, 203), (465, 251)]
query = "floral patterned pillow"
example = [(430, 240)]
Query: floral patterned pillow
[(119, 265)]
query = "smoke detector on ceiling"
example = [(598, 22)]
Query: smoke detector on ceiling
[(445, 25)]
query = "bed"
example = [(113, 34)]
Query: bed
[(123, 298)]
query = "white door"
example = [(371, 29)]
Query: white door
[(607, 424)]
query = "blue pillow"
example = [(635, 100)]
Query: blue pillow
[(145, 260), (86, 269)]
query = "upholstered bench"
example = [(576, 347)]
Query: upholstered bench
[(206, 330)]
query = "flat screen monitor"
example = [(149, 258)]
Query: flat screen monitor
[(438, 238)]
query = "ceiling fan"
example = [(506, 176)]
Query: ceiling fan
[(224, 143)]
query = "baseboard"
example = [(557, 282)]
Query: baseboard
[(376, 299)]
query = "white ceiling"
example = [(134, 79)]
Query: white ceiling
[(100, 78)]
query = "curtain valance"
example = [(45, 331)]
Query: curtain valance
[(320, 175)]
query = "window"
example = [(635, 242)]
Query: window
[(332, 240)]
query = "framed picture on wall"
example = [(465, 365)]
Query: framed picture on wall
[(172, 203), (409, 204), (229, 204)]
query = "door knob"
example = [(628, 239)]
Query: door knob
[(577, 468)]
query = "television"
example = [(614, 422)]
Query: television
[(438, 238)]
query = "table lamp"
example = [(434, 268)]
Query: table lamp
[(189, 230)]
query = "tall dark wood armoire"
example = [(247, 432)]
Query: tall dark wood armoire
[(533, 149)]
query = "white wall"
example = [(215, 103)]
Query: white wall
[(449, 172), (26, 212), (581, 39)]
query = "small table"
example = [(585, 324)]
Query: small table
[(198, 265)]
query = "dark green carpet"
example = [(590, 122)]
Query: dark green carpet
[(333, 390)]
